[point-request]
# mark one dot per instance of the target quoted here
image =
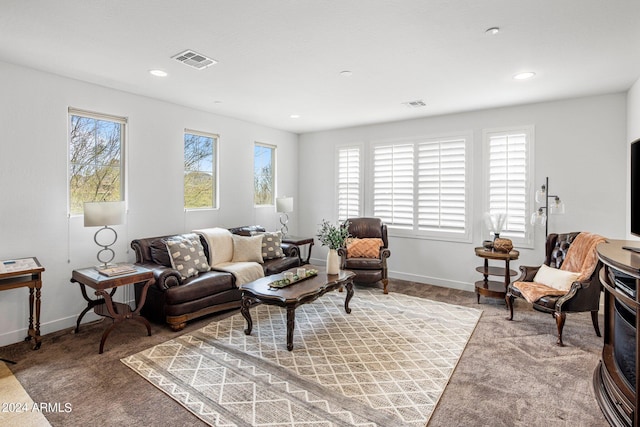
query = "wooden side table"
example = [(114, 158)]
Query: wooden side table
[(104, 304), (300, 241), (493, 288), (25, 272)]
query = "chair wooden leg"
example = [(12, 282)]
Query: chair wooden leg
[(594, 320), (509, 299), (560, 318), (385, 282)]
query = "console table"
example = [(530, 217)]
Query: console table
[(299, 241), (104, 304), (20, 273), (615, 380), (493, 288)]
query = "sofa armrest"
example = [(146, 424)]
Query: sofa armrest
[(165, 277), (527, 273), (290, 250)]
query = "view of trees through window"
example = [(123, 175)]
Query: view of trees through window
[(263, 174), (199, 171), (95, 161)]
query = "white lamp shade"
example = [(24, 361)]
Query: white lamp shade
[(98, 214), (284, 204)]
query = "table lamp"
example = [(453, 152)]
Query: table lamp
[(104, 214), (284, 205)]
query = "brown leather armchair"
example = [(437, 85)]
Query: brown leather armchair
[(367, 270), (584, 294)]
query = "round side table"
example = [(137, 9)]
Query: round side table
[(494, 288)]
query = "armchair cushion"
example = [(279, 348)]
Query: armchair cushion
[(187, 255), (364, 247), (247, 248)]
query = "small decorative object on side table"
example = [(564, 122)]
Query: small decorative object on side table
[(104, 304), (492, 288), (25, 272), (300, 241)]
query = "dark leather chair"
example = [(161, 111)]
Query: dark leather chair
[(368, 270), (584, 295)]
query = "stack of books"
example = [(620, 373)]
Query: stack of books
[(116, 270)]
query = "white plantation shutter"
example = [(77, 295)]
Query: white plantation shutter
[(393, 184), (349, 185), (442, 186), (509, 180)]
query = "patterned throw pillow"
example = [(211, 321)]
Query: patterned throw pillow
[(364, 248), (187, 255), (247, 249), (272, 245)]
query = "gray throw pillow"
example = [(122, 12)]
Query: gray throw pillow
[(187, 255), (272, 245)]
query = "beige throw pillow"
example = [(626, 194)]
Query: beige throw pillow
[(555, 278), (247, 249)]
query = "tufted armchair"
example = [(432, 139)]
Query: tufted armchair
[(569, 252), (369, 268)]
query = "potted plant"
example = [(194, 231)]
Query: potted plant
[(333, 236)]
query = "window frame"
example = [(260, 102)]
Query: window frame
[(123, 121), (274, 151), (527, 240), (361, 163), (215, 163), (415, 232)]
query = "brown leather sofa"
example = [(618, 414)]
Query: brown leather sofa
[(368, 270), (176, 301)]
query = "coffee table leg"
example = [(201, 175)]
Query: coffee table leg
[(291, 323), (244, 310), (349, 287)]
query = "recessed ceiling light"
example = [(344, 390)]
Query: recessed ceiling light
[(346, 73), (524, 76), (158, 73), (295, 116), (492, 31)]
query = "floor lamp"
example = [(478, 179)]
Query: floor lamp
[(284, 205), (556, 207)]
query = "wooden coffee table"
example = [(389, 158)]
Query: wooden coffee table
[(293, 296)]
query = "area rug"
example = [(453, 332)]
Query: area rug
[(386, 364)]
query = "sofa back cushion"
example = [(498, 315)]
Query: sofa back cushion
[(159, 253)]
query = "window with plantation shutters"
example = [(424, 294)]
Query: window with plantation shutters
[(349, 183), (508, 180), (420, 187)]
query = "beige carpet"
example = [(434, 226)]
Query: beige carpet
[(18, 409), (387, 363)]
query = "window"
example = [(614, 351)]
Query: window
[(96, 172), (200, 170), (508, 180), (421, 187), (264, 160), (349, 188)]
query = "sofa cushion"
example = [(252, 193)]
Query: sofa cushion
[(272, 245), (278, 265), (200, 286), (159, 253), (247, 248), (187, 255), (364, 248)]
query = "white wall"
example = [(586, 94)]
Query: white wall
[(33, 173), (580, 144)]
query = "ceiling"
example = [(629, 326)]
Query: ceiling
[(283, 57)]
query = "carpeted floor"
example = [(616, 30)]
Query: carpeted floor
[(510, 374)]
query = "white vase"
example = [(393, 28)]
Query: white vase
[(333, 262)]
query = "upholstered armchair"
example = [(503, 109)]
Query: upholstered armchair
[(366, 251), (567, 282)]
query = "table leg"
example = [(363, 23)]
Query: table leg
[(91, 303), (309, 253), (244, 310), (291, 323), (37, 338), (135, 315), (31, 305), (349, 286)]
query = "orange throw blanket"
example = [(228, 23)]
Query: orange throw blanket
[(581, 257)]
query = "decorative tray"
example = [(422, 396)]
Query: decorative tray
[(282, 283)]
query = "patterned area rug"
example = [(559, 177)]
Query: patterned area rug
[(387, 363)]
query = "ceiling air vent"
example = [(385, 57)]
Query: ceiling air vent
[(415, 104), (194, 59)]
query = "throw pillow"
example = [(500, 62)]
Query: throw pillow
[(555, 278), (187, 255), (364, 248), (272, 245), (247, 248)]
